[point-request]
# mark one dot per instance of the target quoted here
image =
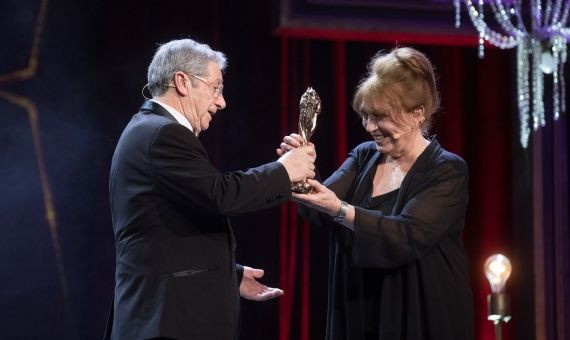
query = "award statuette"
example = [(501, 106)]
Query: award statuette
[(309, 107)]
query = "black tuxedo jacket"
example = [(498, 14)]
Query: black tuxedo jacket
[(175, 266)]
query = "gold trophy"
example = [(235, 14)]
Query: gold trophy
[(309, 109)]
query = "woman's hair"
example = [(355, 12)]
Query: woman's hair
[(184, 55), (402, 79)]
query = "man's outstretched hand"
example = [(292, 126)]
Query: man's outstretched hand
[(252, 289)]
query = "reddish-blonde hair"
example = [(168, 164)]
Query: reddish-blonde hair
[(402, 79)]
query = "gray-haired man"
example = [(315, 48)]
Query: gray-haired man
[(176, 275)]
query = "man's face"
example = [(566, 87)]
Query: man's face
[(206, 98)]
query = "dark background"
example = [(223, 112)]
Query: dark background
[(56, 276)]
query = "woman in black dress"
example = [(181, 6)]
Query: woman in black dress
[(398, 268)]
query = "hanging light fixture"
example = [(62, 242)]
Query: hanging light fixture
[(541, 49)]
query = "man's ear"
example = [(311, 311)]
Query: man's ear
[(180, 83)]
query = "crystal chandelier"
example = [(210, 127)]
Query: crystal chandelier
[(540, 50)]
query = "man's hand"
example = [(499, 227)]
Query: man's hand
[(299, 163), (290, 142), (252, 289)]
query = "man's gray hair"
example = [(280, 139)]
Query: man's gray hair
[(184, 55)]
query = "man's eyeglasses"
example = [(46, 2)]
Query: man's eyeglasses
[(218, 89)]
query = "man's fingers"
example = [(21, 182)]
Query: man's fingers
[(270, 293), (292, 141), (257, 273), (311, 151), (298, 138), (286, 147)]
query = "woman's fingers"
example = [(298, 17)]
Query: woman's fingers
[(317, 186)]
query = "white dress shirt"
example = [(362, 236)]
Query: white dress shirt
[(177, 115)]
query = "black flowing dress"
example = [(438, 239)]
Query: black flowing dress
[(402, 273), (369, 280)]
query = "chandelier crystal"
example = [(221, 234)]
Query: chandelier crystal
[(541, 49)]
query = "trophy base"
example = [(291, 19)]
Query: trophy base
[(302, 187)]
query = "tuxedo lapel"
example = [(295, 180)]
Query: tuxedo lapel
[(151, 107)]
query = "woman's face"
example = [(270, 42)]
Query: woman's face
[(390, 136)]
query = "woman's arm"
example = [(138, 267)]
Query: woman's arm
[(427, 217), (340, 182)]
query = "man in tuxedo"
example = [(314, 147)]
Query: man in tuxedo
[(176, 275)]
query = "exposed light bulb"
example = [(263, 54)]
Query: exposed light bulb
[(497, 269)]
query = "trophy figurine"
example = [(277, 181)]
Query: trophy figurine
[(309, 108)]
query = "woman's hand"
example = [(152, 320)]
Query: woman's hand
[(289, 143), (321, 199)]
